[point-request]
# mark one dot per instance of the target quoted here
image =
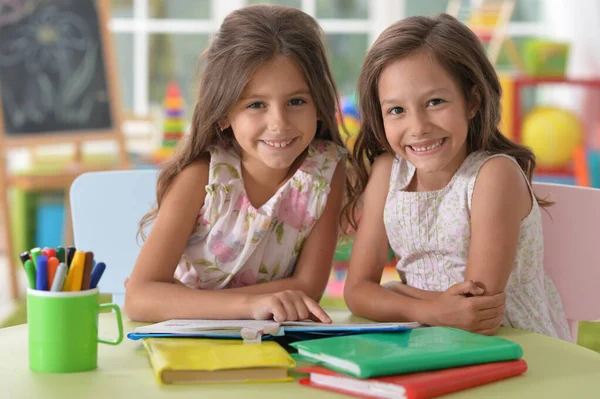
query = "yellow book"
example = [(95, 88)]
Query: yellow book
[(193, 360)]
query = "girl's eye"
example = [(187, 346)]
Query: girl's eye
[(435, 101), (297, 101), (396, 111), (256, 105)]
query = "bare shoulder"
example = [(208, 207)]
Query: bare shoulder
[(196, 171), (383, 162), (500, 176), (190, 183), (339, 175), (380, 172)]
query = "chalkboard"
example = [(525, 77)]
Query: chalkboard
[(53, 68)]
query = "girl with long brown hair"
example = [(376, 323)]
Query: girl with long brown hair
[(447, 191), (247, 212)]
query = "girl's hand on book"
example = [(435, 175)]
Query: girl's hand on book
[(464, 306), (286, 306)]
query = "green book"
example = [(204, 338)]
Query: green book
[(429, 348)]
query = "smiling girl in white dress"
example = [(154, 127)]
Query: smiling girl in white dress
[(447, 191)]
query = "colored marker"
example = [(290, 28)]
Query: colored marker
[(45, 252), (70, 254), (97, 274), (30, 271), (59, 277), (51, 252), (24, 257), (74, 278), (35, 252), (52, 266), (60, 254), (87, 271), (41, 281)]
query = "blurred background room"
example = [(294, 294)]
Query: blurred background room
[(110, 84)]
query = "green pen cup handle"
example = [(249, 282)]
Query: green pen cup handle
[(119, 324)]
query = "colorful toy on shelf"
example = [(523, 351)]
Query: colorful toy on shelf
[(173, 123), (349, 115), (553, 134), (545, 57)]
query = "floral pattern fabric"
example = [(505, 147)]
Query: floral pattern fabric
[(430, 233), (234, 244)]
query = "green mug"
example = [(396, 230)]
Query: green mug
[(63, 330)]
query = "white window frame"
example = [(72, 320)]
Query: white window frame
[(382, 13)]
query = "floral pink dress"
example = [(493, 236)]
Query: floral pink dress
[(234, 244)]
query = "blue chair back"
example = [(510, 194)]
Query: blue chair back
[(106, 208)]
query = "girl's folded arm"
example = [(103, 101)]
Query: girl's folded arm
[(150, 293), (313, 266), (362, 291), (501, 199), (412, 292)]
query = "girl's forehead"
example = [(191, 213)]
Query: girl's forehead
[(420, 65), (416, 73), (277, 75)]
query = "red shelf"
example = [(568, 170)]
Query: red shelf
[(520, 82)]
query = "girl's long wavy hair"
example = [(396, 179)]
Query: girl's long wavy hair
[(460, 52), (247, 38)]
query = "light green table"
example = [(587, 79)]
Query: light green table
[(557, 369)]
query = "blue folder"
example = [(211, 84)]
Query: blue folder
[(265, 330)]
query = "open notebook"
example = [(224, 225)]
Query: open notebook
[(256, 330)]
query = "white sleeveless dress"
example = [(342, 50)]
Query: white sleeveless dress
[(430, 233)]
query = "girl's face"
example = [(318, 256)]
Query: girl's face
[(275, 118), (425, 114)]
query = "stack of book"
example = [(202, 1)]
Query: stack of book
[(416, 364), (196, 351)]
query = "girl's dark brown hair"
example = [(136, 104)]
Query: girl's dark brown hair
[(247, 38), (460, 52)]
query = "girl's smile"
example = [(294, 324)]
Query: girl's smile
[(427, 147)]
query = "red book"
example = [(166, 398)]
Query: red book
[(422, 385)]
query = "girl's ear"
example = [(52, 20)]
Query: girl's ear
[(224, 124), (474, 102)]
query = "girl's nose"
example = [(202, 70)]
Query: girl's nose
[(418, 124), (277, 119)]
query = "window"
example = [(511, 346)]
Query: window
[(291, 3), (342, 9), (160, 40), (180, 9)]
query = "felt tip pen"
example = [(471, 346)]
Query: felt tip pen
[(97, 274), (87, 271), (70, 255), (24, 257), (52, 267), (30, 272), (59, 278), (35, 252), (75, 276), (60, 254), (41, 279)]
